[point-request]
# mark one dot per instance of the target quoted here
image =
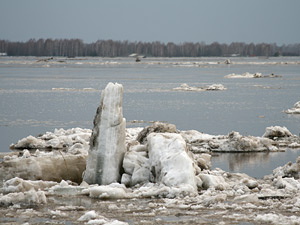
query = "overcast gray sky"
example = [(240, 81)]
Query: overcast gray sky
[(224, 21)]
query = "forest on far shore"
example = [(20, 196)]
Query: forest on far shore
[(111, 48)]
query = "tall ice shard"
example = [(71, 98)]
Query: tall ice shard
[(107, 143)]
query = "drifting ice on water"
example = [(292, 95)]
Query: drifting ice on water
[(157, 160)]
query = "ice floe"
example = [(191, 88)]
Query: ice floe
[(251, 75), (294, 110), (277, 132), (212, 87), (75, 89)]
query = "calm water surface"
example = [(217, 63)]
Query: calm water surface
[(36, 97)]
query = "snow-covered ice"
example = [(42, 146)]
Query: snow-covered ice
[(294, 110), (71, 139), (168, 155), (277, 132)]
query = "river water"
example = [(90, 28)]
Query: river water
[(38, 96)]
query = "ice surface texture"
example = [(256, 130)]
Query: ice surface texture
[(170, 162), (107, 143)]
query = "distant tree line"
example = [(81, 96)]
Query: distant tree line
[(110, 48)]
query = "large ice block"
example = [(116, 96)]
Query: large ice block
[(107, 143)]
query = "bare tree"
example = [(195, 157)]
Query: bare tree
[(111, 48)]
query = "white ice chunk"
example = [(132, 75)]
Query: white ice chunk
[(19, 185), (88, 216), (53, 166), (195, 136), (160, 190), (237, 142), (30, 142), (212, 87), (277, 132), (112, 191), (65, 189), (26, 153), (253, 198), (169, 161), (31, 197), (288, 183), (59, 139), (136, 166), (244, 75), (107, 144), (295, 109), (213, 181), (215, 87)]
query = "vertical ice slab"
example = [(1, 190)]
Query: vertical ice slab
[(107, 143)]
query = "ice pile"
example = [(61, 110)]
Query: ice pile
[(249, 198), (251, 75), (52, 156), (155, 161), (30, 198), (290, 170), (17, 184), (282, 137), (69, 162), (213, 87), (161, 162), (294, 110), (72, 140), (275, 138)]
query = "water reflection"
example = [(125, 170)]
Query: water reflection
[(256, 164)]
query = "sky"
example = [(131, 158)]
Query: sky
[(178, 21)]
